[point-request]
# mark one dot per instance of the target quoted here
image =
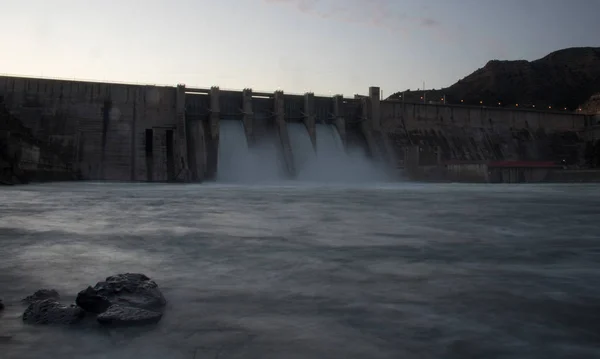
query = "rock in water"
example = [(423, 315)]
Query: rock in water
[(91, 301), (1, 305), (129, 290), (118, 315), (42, 294), (49, 311)]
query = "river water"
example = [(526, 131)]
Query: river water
[(393, 271)]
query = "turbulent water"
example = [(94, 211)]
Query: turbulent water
[(302, 148), (240, 164), (403, 271), (330, 163)]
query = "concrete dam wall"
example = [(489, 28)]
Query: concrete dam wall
[(459, 142), (105, 131), (123, 132)]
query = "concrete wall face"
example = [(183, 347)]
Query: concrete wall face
[(473, 172), (180, 155), (101, 126), (248, 115), (197, 111), (519, 175), (309, 117), (212, 132), (30, 156), (279, 110), (339, 117), (476, 134), (147, 133)]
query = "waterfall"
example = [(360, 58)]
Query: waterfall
[(331, 163), (302, 147), (329, 144), (238, 163)]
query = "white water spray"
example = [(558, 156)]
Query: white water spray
[(262, 164), (302, 147), (238, 163), (331, 163)]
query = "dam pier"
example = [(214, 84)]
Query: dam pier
[(61, 129)]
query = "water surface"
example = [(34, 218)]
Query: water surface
[(296, 271)]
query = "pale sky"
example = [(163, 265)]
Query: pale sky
[(324, 46)]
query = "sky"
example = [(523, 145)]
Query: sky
[(322, 46)]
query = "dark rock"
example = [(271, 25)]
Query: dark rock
[(1, 305), (49, 311), (117, 315), (129, 290), (91, 301), (42, 294)]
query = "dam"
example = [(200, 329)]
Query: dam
[(62, 129)]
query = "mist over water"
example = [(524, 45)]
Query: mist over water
[(239, 163), (262, 164), (302, 147), (332, 163), (406, 271)]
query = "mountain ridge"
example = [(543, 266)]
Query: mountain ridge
[(563, 79)]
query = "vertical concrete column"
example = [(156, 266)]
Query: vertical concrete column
[(338, 113), (215, 111), (365, 110), (134, 120), (486, 173), (197, 148), (366, 127), (248, 115), (279, 110), (212, 148), (375, 110), (381, 141), (309, 117), (412, 160), (181, 163)]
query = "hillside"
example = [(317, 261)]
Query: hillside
[(592, 105), (563, 79)]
